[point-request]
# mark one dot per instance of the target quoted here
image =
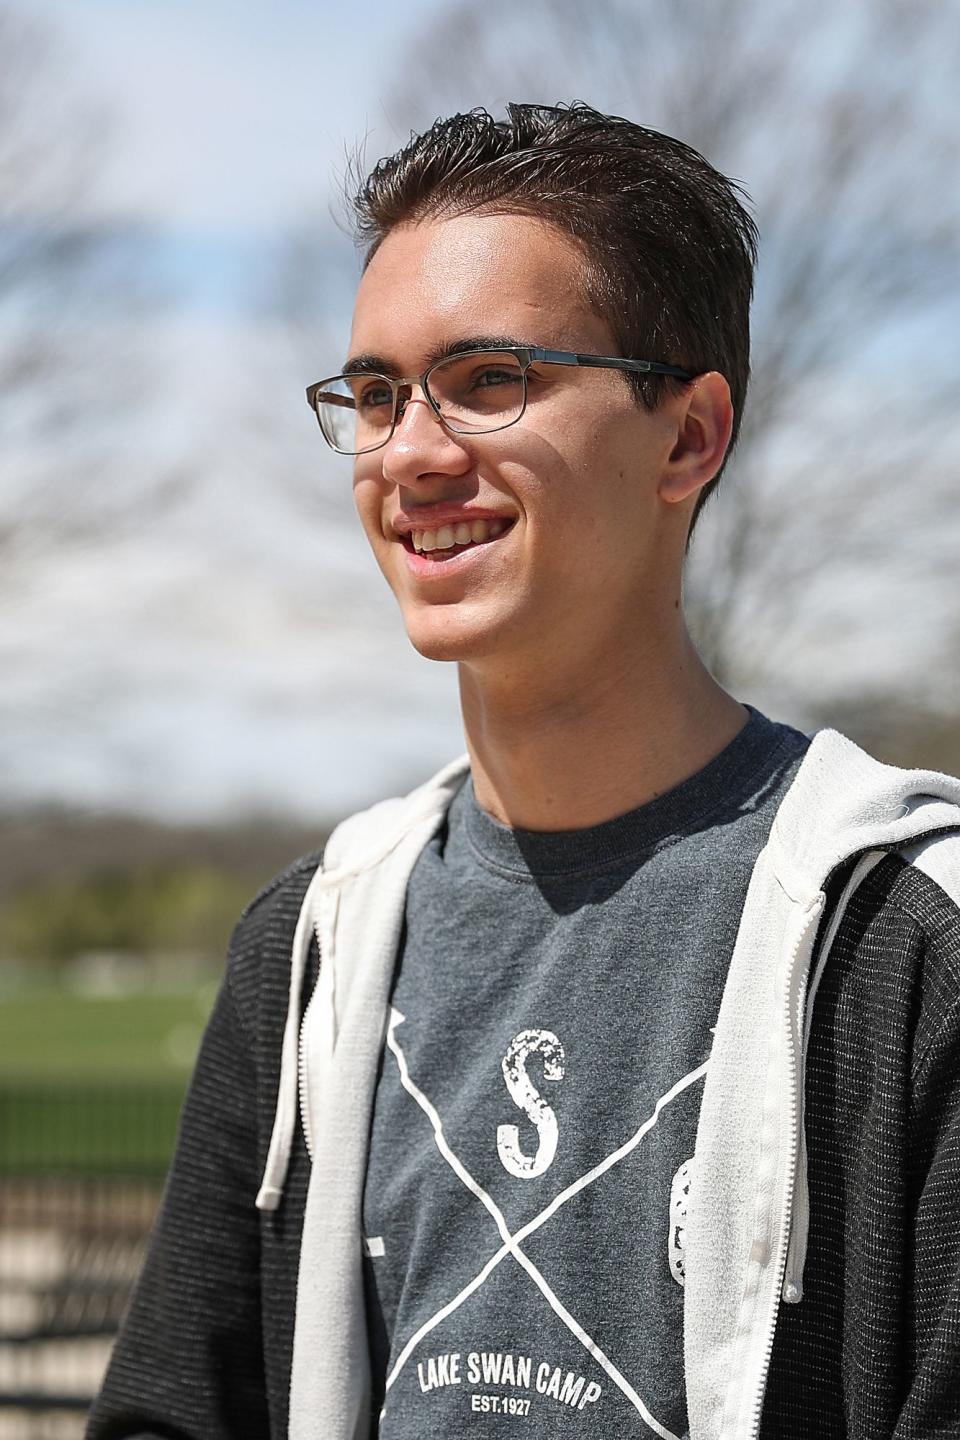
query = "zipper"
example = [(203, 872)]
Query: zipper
[(302, 1076), (301, 1039), (803, 946)]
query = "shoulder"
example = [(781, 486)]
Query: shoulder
[(899, 945), (927, 889), (283, 893), (258, 957), (922, 882), (938, 858)]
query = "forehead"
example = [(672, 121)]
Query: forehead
[(437, 281)]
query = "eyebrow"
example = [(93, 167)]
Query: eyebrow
[(378, 364)]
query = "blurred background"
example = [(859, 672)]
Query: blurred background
[(202, 669)]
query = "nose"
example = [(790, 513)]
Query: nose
[(421, 445)]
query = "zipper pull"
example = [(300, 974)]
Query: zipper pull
[(792, 1290)]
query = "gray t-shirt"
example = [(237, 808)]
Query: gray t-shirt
[(537, 1107)]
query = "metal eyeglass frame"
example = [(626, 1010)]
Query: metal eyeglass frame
[(527, 356)]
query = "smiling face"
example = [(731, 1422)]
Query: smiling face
[(571, 547)]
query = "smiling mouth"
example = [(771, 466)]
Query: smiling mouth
[(450, 540)]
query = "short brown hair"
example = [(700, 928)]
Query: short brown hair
[(669, 243)]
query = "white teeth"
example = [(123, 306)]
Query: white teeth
[(476, 532)]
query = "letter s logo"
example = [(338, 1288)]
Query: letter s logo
[(528, 1099)]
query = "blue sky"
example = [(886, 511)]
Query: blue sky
[(229, 122), (233, 112)]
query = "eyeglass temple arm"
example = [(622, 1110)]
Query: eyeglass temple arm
[(601, 362), (330, 397)]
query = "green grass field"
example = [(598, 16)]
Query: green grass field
[(94, 1083), (54, 1034)]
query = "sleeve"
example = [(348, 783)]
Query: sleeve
[(932, 1262), (872, 1352), (188, 1362)]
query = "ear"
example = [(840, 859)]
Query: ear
[(704, 419)]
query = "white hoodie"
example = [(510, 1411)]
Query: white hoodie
[(747, 1221)]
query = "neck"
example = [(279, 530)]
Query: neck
[(560, 746)]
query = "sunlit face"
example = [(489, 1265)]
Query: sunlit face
[(569, 492)]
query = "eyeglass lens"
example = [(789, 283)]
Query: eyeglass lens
[(473, 393)]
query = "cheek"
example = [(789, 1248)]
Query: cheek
[(367, 499), (598, 510)]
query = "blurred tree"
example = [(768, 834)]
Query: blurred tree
[(900, 732), (67, 280), (841, 121), (182, 909)]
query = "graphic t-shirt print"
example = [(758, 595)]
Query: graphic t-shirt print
[(514, 1334)]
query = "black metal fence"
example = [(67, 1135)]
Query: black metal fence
[(81, 1171)]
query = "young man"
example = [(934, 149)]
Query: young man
[(626, 1099)]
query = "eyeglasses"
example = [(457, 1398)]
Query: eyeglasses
[(473, 393)]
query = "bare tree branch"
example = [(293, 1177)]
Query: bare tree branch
[(66, 276)]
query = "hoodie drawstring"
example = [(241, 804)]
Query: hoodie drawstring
[(284, 1120)]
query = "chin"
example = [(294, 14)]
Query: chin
[(443, 637), (444, 647)]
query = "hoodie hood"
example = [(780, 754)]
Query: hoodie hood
[(844, 803)]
